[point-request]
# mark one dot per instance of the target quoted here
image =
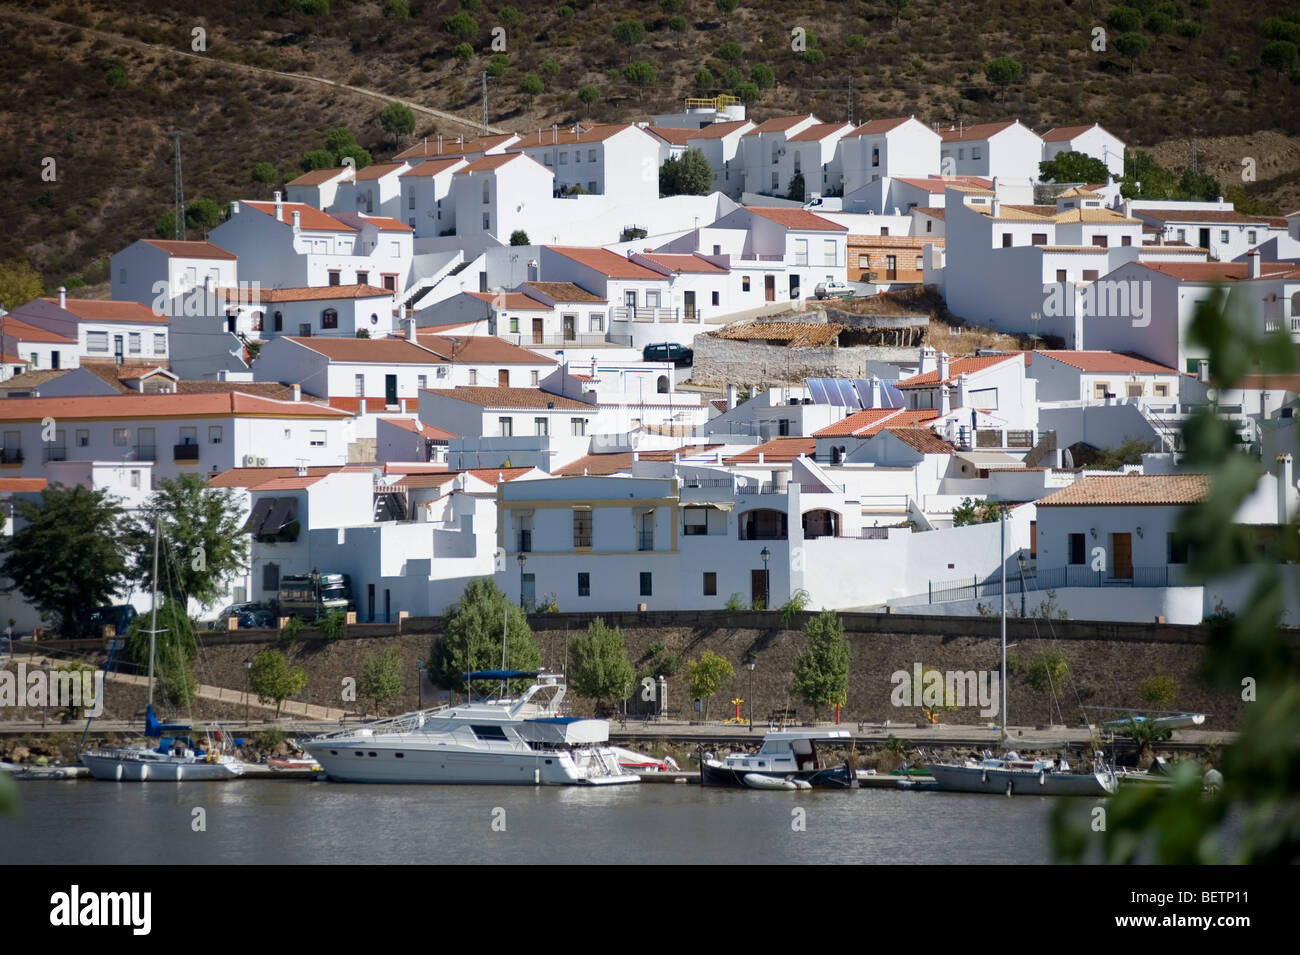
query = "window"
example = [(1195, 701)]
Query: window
[(1223, 235), (304, 330), (564, 158), (596, 322), (546, 158), (534, 378), (335, 277), (695, 521), (487, 192), (121, 276), (135, 479), (121, 437), (646, 590), (1099, 241), (920, 263), (1160, 390), (363, 278), (591, 155), (316, 439), (1126, 240), (864, 261), (1180, 235), (1250, 236), (1133, 389), (710, 583), (541, 427), (514, 324), (884, 230), (974, 152), (875, 156), (329, 318), (714, 299), (97, 342), (1100, 389), (1090, 275), (1078, 549), (828, 252), (473, 376), (506, 426), (1177, 549), (584, 585), (1038, 238), (214, 434), (421, 382), (582, 527), (441, 371), (1006, 240), (577, 155), (278, 322), (160, 343), (487, 222), (929, 225), (359, 385), (1060, 275), (961, 152), (591, 186), (271, 577), (744, 283), (578, 427), (83, 437), (410, 201), (36, 359)]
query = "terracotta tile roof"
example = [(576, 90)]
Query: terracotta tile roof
[(607, 263), (31, 379), (871, 421), (567, 137), (382, 223), (432, 167), (777, 450), (877, 126), (1176, 489), (565, 292), (318, 177), (420, 428), (958, 367), (314, 293), (1061, 133), (261, 389), (481, 350), (1289, 383), (21, 331), (516, 301), (382, 351), (412, 482), (128, 406), (255, 477), (1078, 192), (523, 398), (1008, 213), (415, 467), (11, 485), (937, 184), (677, 135), (685, 263), (493, 475), (793, 334), (934, 212), (378, 170), (780, 123), (923, 440), (104, 310), (979, 131), (597, 464), (310, 218), (8, 359), (1107, 362), (686, 451), (814, 134), (290, 482), (190, 250), (450, 147), (1218, 271), (1095, 215), (1224, 216), (799, 219), (681, 135)]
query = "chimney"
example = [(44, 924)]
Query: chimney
[(410, 329), (943, 366), (1128, 208), (731, 397), (279, 207), (636, 455), (760, 457), (677, 458), (995, 184), (296, 392), (63, 297), (234, 208), (1202, 370), (1252, 264), (876, 399), (1285, 486), (297, 220), (945, 401), (927, 362), (995, 207), (207, 284), (963, 395)]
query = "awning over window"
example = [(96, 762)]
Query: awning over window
[(282, 514), (258, 517)]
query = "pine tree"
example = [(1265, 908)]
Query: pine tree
[(821, 670)]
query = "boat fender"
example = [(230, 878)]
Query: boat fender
[(1042, 778), (984, 776), (1009, 783)]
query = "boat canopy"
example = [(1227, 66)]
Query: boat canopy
[(153, 728)]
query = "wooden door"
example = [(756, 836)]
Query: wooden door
[(537, 331), (503, 378), (769, 288), (758, 587), (891, 267), (1121, 546)]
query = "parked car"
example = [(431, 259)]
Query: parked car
[(118, 617), (679, 355), (238, 610), (831, 289), (257, 619)]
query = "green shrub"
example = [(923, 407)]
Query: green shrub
[(736, 603), (814, 57), (565, 12), (588, 95), (332, 625), (315, 8), (550, 69), (731, 51), (762, 77), (397, 10), (704, 79), (508, 15), (461, 25), (1124, 19), (677, 24), (462, 51), (629, 32), (264, 172), (531, 84)]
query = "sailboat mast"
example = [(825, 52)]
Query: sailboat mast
[(153, 613), (1003, 678)]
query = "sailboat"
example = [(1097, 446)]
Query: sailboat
[(1009, 774), (175, 758)]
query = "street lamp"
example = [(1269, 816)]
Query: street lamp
[(749, 665), (419, 682), (248, 669), (45, 668), (1020, 559), (522, 558), (767, 581)]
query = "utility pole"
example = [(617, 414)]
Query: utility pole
[(485, 123), (1193, 142), (851, 91), (178, 196)]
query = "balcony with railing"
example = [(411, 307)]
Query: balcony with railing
[(53, 453), (652, 313), (645, 540), (11, 456), (146, 452), (185, 452)]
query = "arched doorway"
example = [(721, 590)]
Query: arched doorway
[(821, 523)]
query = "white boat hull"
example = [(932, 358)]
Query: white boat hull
[(1020, 782), (408, 760), (134, 768)]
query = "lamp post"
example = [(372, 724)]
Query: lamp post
[(767, 580), (1020, 559), (419, 682), (522, 559), (248, 669), (749, 665), (45, 668)]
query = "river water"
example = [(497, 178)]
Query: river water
[(294, 821)]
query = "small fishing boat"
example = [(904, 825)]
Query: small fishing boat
[(175, 759), (635, 762), (1012, 776), (295, 765), (1173, 721), (786, 755)]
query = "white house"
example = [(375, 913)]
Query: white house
[(763, 148), (136, 270), (318, 187), (40, 348), (720, 144), (1091, 140), (1095, 376), (375, 190), (495, 195), (805, 247), (1214, 226), (426, 200), (1005, 150), (813, 154), (121, 330), (619, 160), (887, 149)]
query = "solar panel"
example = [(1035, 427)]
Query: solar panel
[(817, 390), (863, 388), (891, 396), (848, 396)]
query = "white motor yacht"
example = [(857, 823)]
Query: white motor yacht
[(520, 741)]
